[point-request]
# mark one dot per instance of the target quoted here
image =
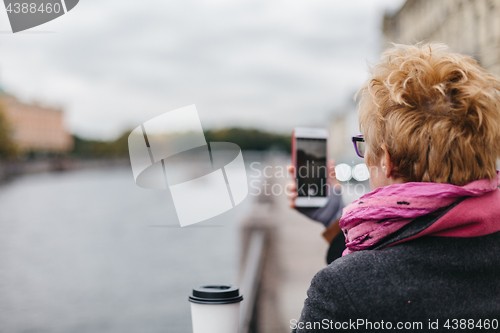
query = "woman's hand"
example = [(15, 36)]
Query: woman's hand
[(291, 187)]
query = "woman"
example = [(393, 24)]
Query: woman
[(423, 248)]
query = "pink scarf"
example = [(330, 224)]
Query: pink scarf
[(367, 221)]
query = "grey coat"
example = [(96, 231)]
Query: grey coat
[(417, 281)]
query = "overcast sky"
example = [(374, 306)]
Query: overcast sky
[(274, 65)]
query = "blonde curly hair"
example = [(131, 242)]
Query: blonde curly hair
[(437, 112)]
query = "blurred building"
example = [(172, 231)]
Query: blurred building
[(467, 26), (470, 27), (36, 128), (343, 125)]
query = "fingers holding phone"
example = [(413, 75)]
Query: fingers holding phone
[(291, 186)]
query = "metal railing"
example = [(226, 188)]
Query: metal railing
[(251, 277)]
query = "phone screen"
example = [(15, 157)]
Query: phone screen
[(311, 167)]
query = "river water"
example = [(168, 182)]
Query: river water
[(89, 251)]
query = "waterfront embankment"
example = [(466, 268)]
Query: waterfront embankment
[(293, 252), (16, 168)]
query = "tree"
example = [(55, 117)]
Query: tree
[(251, 139), (245, 138), (8, 148)]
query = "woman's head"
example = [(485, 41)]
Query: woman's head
[(435, 114)]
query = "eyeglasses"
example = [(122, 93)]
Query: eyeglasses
[(359, 145)]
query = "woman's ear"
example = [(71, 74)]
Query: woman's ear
[(385, 162)]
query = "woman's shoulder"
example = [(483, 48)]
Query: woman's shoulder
[(424, 256), (415, 278), (361, 269), (343, 290)]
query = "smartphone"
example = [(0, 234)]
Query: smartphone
[(309, 156)]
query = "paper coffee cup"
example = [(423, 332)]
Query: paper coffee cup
[(215, 309)]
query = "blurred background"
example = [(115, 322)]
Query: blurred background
[(82, 248)]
